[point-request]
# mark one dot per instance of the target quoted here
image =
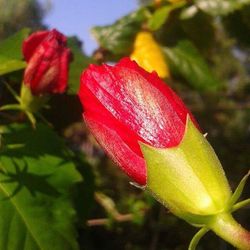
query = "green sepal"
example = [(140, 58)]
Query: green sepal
[(240, 204), (237, 193), (197, 237), (188, 178), (31, 103), (31, 118), (11, 107)]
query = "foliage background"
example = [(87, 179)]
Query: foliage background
[(208, 52)]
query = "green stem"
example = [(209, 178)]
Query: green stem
[(228, 229)]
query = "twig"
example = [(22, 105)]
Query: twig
[(105, 221)]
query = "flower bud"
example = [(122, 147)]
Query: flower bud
[(124, 105), (148, 131), (47, 58)]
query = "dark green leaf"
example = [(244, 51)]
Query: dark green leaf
[(119, 37), (205, 26), (8, 65), (12, 46), (160, 15), (220, 7), (185, 60), (237, 25), (36, 177), (80, 62), (85, 188)]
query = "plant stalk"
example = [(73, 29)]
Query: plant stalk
[(225, 226)]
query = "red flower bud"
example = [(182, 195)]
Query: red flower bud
[(48, 59), (124, 104)]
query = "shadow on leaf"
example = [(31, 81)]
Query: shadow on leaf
[(34, 183)]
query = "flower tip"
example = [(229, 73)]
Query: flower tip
[(87, 74), (58, 35), (31, 43), (126, 61)]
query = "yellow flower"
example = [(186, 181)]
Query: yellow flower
[(171, 1), (148, 54), (175, 1)]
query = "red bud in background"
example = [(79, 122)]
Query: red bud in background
[(48, 58), (124, 104)]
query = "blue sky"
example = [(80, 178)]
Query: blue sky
[(76, 17)]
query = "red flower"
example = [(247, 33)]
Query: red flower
[(125, 104), (48, 59)]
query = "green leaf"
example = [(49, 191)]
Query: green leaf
[(80, 62), (119, 37), (11, 52), (8, 65), (36, 180), (160, 15), (84, 189), (12, 46), (186, 61), (220, 7)]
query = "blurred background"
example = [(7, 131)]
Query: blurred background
[(207, 52)]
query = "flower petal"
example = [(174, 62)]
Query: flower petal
[(139, 100), (32, 42), (132, 164)]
